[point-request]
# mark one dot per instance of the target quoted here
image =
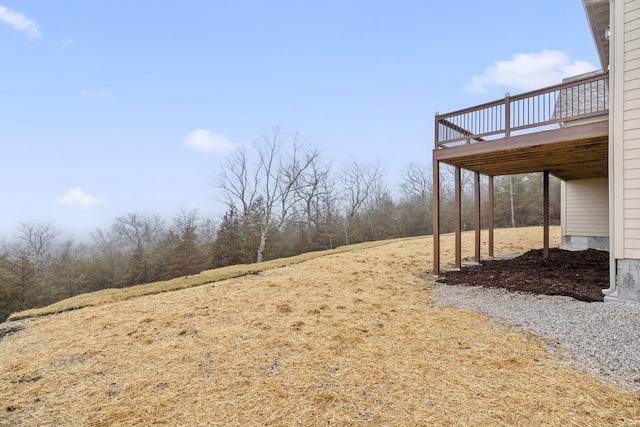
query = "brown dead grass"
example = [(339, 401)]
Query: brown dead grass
[(339, 340), (209, 276)]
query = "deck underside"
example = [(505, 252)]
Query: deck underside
[(575, 152)]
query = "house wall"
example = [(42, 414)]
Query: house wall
[(585, 214), (629, 30), (625, 136)]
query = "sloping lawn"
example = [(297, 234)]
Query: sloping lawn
[(341, 339)]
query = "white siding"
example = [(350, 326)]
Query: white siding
[(586, 211), (630, 31)]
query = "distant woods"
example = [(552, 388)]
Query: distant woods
[(283, 198)]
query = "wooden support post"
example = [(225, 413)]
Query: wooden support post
[(458, 217), (545, 250), (478, 217), (507, 115), (491, 216), (436, 217)]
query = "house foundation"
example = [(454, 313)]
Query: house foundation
[(581, 243), (627, 281)]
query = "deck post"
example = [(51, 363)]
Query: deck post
[(545, 251), (507, 115), (491, 215), (478, 218), (458, 217), (436, 217)]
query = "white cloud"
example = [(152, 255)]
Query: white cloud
[(202, 139), (19, 23), (529, 71), (76, 197)]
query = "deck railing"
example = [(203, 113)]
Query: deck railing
[(535, 111)]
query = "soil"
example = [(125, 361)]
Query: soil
[(578, 274)]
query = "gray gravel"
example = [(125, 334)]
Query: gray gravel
[(603, 338)]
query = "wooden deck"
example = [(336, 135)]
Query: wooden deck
[(562, 130)]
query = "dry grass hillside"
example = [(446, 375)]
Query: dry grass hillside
[(341, 339)]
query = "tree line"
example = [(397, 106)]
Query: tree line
[(282, 198)]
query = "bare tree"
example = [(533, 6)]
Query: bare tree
[(207, 229), (70, 276), (513, 213), (139, 231), (379, 211), (447, 179), (265, 190), (417, 199), (185, 220), (317, 200), (139, 234), (359, 182), (111, 259), (238, 183), (417, 183), (181, 248), (38, 239)]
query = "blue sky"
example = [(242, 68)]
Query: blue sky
[(121, 106)]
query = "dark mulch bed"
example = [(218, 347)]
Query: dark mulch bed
[(578, 274)]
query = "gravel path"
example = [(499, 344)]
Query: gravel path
[(601, 337)]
